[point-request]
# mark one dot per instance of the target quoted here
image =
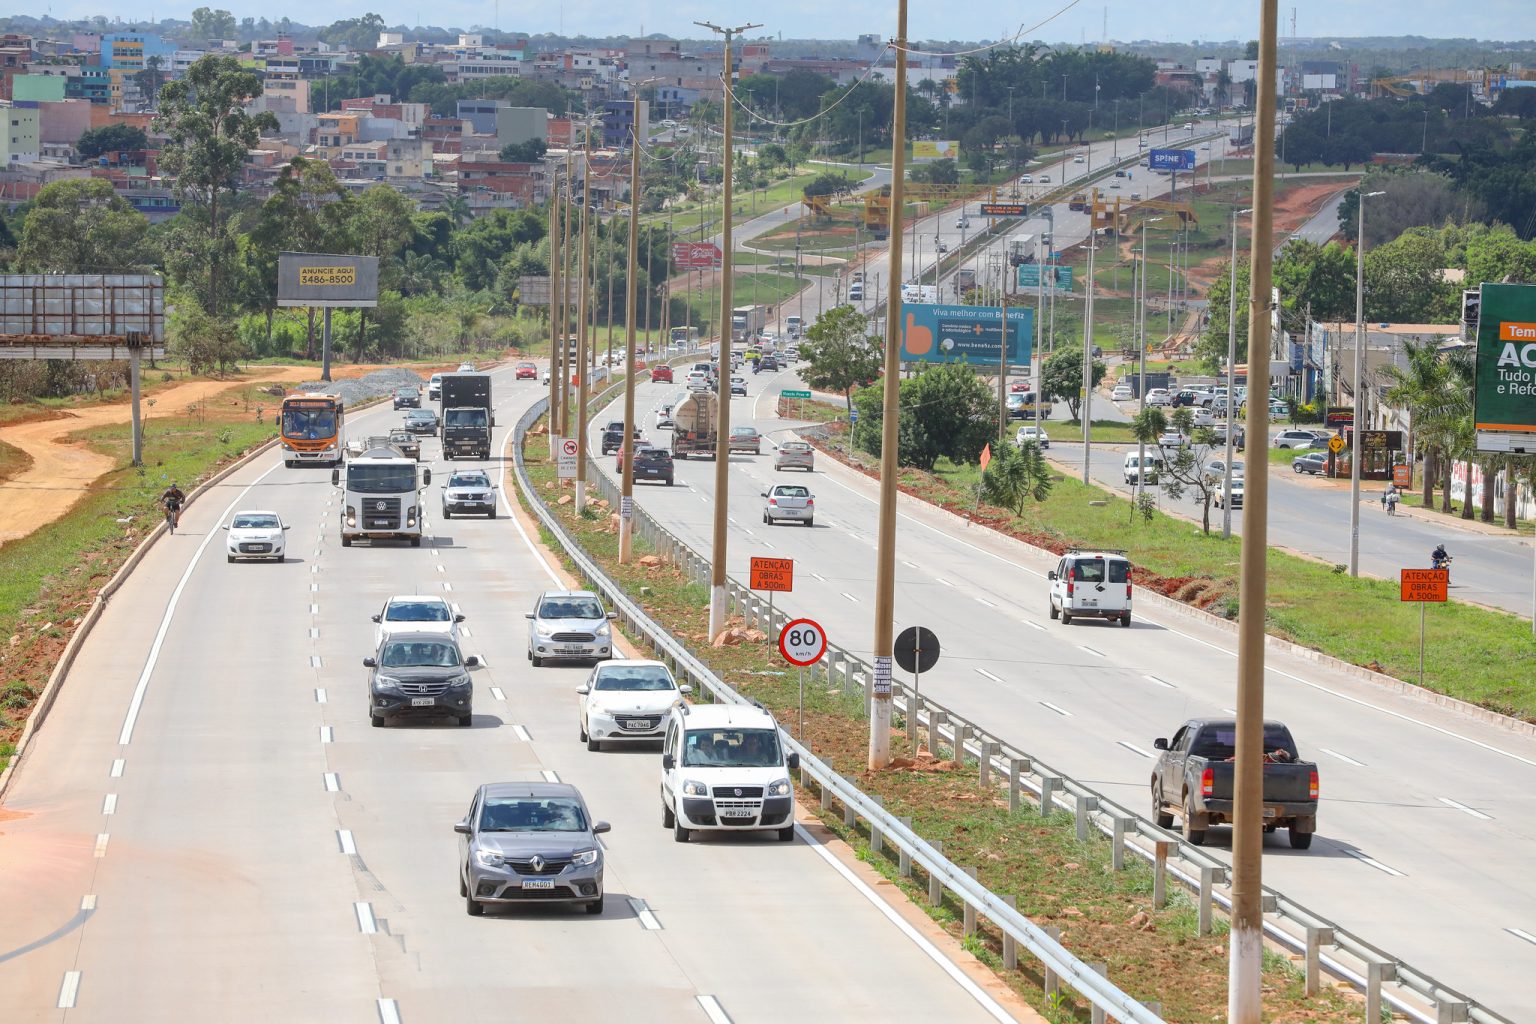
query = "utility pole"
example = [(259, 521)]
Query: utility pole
[(583, 339), (556, 313), (885, 558), (1141, 383), (1246, 941), (722, 441), (1087, 402), (1226, 501), (627, 499), (565, 299), (1359, 377)]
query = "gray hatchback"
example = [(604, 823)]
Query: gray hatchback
[(530, 842)]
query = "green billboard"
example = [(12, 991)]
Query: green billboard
[(966, 334), (1505, 403)]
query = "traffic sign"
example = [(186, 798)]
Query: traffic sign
[(1005, 209), (565, 458), (1336, 443), (1431, 585), (802, 642), (794, 394), (917, 649), (773, 574), (853, 415)]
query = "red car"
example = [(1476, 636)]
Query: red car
[(1019, 386), (661, 373), (527, 371)]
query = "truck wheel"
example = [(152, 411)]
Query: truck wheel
[(447, 514), (415, 542), (1160, 812), (1066, 616), (1299, 840), (679, 834), (1194, 836), (1051, 605)]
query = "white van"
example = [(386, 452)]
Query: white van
[(1135, 463), (723, 768), (1096, 583), (856, 291)]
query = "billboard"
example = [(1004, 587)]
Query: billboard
[(696, 256), (88, 307), (1504, 410), (1171, 160), (322, 279), (1057, 276), (1005, 209), (931, 149), (969, 334)]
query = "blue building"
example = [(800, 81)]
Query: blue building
[(127, 51)]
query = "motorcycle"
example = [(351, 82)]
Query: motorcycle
[(1441, 563)]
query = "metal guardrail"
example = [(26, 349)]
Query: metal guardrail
[(1019, 931), (1354, 961)]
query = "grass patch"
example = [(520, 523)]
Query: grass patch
[(13, 462)]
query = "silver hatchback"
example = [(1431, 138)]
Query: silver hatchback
[(795, 455), (569, 624), (530, 842)]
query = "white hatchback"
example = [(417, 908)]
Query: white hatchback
[(256, 535), (627, 701), (1159, 396), (416, 613), (1122, 393)]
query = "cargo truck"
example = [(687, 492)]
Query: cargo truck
[(746, 321), (467, 417), (381, 496), (696, 423)]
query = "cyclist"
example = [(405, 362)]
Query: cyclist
[(171, 498)]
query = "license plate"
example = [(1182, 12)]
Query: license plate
[(637, 725), (570, 650), (538, 883), (1271, 812), (1090, 601), (737, 812), (423, 702)]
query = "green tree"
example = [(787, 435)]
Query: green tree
[(111, 138), (151, 78), (208, 343), (1319, 279), (1062, 377), (530, 151), (946, 412), (1184, 466), (1404, 283), (360, 33), (1016, 475), (482, 246), (1426, 390), (83, 226), (208, 23), (308, 211), (208, 133), (840, 353)]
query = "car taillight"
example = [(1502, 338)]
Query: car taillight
[(1127, 590), (773, 501), (1208, 782), (1071, 582), (810, 502), (1312, 789)]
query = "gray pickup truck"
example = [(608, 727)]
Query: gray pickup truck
[(1193, 780)]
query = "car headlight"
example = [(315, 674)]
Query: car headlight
[(543, 629), (462, 679), (489, 858), (779, 788), (385, 682), (692, 788), (585, 858), (603, 630)]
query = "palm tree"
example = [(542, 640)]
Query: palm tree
[(1426, 390), (1016, 474)]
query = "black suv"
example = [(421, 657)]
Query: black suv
[(653, 464), (768, 362), (419, 674), (408, 398), (613, 436)]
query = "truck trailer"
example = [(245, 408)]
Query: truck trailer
[(467, 415), (696, 429)]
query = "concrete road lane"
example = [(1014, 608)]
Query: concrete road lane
[(1427, 814), (251, 849)]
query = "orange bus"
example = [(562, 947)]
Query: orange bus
[(311, 426)]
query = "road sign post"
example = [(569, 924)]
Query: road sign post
[(1424, 586), (772, 575), (802, 642), (801, 395), (565, 457), (916, 650)]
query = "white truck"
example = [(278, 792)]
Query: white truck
[(381, 496)]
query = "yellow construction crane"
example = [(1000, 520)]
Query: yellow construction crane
[(1115, 212)]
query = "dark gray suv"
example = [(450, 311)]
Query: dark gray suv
[(530, 842), (419, 674)]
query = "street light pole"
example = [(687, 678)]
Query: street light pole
[(556, 313), (723, 427), (627, 499), (1087, 403), (583, 336), (1226, 501), (1359, 376)]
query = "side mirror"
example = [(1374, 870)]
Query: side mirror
[(613, 615), (601, 827), (793, 761), (462, 828), (335, 478), (1051, 575), (583, 689), (685, 688), (668, 762), (370, 663), (471, 662), (377, 618), (426, 476), (527, 615), (456, 618), (288, 526), (1159, 744), (764, 493), (224, 527)]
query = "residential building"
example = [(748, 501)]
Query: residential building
[(481, 114), (128, 50), (519, 124), (617, 116), (522, 183), (333, 130), (15, 54), (21, 134), (39, 88), (62, 122)]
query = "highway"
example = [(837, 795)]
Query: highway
[(1427, 815), (206, 828)]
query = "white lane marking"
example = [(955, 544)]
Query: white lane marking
[(749, 533), (88, 902), (1373, 862), (1034, 625), (332, 783), (988, 1004), (314, 568), (713, 1010), (1521, 933), (945, 582), (704, 499), (441, 569), (1133, 748), (69, 990), (314, 588), (125, 736), (989, 675), (345, 841), (109, 805), (1343, 757), (314, 661), (911, 565), (319, 695), (102, 839), (1063, 712), (1464, 808), (765, 544), (117, 768), (1090, 650), (550, 776), (850, 597), (732, 521), (643, 914), (327, 734), (521, 734), (1230, 711), (819, 576), (389, 1012), (314, 633), (314, 609), (1160, 682), (496, 692), (447, 585), (464, 630), (982, 600), (365, 922)]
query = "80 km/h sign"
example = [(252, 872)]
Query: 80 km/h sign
[(802, 642)]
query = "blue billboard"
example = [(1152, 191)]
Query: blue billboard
[(1057, 277), (1171, 160), (969, 334)]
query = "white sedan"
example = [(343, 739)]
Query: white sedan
[(627, 701), (1122, 393), (256, 535), (1159, 396), (412, 613)]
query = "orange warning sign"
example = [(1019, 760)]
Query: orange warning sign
[(1431, 585), (773, 574)]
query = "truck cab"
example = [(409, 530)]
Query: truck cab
[(467, 415), (381, 496)]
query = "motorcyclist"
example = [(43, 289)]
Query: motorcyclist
[(1439, 557), (172, 498)]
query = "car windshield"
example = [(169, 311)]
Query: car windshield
[(532, 814), (469, 480), (795, 446), (419, 654), (417, 611), (255, 522), (1219, 742), (570, 608), (374, 479), (425, 416), (634, 678), (405, 391), (464, 418), (525, 366), (731, 748), (791, 492)]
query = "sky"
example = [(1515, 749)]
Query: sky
[(1175, 21)]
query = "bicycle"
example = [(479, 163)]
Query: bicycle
[(172, 515)]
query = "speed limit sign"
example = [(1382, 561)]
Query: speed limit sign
[(802, 642)]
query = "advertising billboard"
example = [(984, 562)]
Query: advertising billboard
[(931, 149), (1056, 277), (1171, 160), (969, 334), (1504, 410), (1005, 209), (324, 279), (696, 255)]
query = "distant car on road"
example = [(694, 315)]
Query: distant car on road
[(1235, 495), (527, 371), (530, 842), (1159, 396), (416, 613), (421, 421), (795, 455), (435, 387), (627, 700), (792, 502), (661, 373), (746, 439), (469, 492), (1314, 463), (739, 386), (1172, 439), (407, 397), (1122, 393), (1296, 438), (569, 624), (466, 368), (651, 464), (1033, 435), (408, 443), (1193, 780), (256, 534), (664, 417), (1091, 583)]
